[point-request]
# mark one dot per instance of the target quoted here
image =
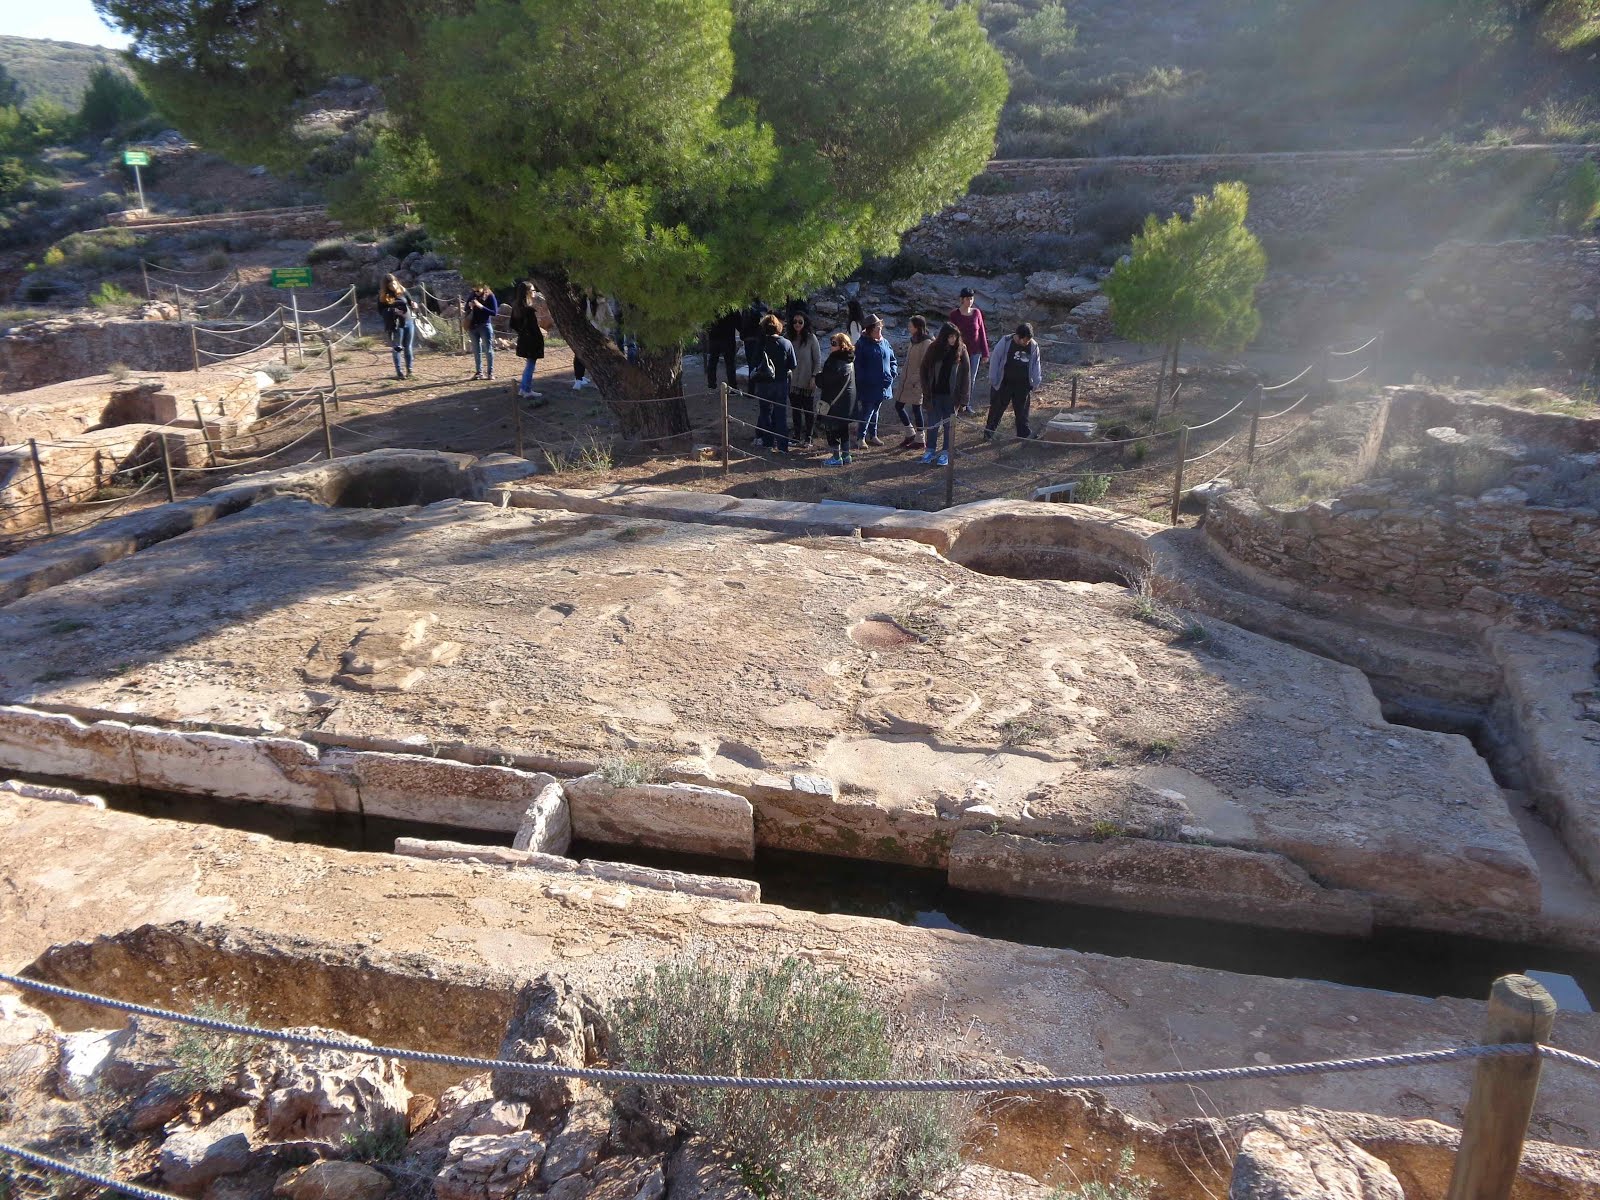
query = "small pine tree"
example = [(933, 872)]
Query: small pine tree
[(1192, 279), (111, 100)]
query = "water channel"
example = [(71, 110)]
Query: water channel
[(1418, 963)]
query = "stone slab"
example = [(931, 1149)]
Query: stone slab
[(668, 816), (1069, 429)]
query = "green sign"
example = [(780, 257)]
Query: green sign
[(291, 277), (135, 158)]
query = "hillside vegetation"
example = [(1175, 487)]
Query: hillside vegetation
[(1106, 77), (54, 71)]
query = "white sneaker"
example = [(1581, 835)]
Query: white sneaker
[(531, 395), (577, 385)]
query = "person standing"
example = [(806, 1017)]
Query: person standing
[(946, 386), (771, 360), (580, 379), (481, 305), (530, 337), (836, 387), (1015, 370), (855, 322), (750, 329), (875, 375), (399, 322), (803, 379), (722, 345), (908, 397), (968, 318)]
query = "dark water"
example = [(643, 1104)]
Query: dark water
[(1422, 964)]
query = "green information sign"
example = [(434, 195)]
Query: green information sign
[(136, 158), (291, 277)]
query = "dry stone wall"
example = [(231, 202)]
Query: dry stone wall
[(62, 348), (1495, 556)]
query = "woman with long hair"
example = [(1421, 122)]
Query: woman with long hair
[(837, 387), (946, 386), (481, 305), (908, 396), (399, 322), (530, 338), (855, 323), (803, 379)]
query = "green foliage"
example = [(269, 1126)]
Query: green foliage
[(328, 250), (205, 1058), (621, 770), (1578, 206), (1194, 279), (792, 1019), (109, 295), (111, 101), (10, 90), (1092, 489), (680, 155), (1123, 1185)]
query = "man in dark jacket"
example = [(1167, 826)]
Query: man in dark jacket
[(1016, 370), (876, 371), (771, 359), (722, 345)]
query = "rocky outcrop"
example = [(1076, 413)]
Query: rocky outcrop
[(551, 1022), (1269, 1167), (84, 344)]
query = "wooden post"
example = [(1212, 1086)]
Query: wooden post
[(949, 462), (44, 496), (516, 417), (211, 451), (333, 376), (283, 335), (194, 346), (144, 274), (1177, 477), (722, 392), (327, 431), (166, 468), (1074, 389), (1255, 425), (1503, 1091)]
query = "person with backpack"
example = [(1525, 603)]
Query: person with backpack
[(1016, 369), (908, 397), (398, 311), (481, 305), (771, 361), (803, 379), (968, 318), (722, 345), (946, 386), (530, 337), (876, 371), (836, 387)]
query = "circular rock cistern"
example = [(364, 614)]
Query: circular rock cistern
[(1048, 546)]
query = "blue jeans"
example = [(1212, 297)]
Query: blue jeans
[(482, 348), (403, 341), (527, 375), (773, 416), (867, 417), (939, 412)]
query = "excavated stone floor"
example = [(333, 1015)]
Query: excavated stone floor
[(1034, 736)]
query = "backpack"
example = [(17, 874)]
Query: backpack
[(762, 367)]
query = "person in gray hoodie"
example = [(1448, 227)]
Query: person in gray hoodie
[(1016, 369), (803, 379)]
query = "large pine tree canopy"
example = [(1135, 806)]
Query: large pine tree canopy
[(679, 155)]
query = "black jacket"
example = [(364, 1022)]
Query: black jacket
[(837, 386), (723, 333), (394, 311), (530, 338)]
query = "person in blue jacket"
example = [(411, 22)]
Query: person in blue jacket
[(876, 371)]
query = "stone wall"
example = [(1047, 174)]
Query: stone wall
[(61, 348), (1496, 556)]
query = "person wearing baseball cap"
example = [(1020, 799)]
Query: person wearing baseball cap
[(876, 371), (1015, 369), (968, 318)]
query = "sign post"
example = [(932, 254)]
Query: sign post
[(291, 278), (137, 159)]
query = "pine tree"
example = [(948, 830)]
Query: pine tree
[(1192, 278), (681, 156)]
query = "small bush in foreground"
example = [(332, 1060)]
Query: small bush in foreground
[(205, 1058), (792, 1020), (109, 295)]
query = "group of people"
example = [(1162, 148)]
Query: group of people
[(803, 396)]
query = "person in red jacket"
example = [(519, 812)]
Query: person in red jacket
[(968, 318)]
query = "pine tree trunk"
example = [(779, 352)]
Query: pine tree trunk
[(647, 397), (1161, 379)]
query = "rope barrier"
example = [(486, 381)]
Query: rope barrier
[(1357, 375), (1371, 341), (1337, 1066), (239, 329), (1286, 411), (1278, 387)]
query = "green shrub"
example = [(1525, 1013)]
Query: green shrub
[(328, 250), (793, 1020), (206, 1058), (1578, 205), (1124, 1185), (109, 295), (1114, 215), (411, 240), (1092, 489)]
